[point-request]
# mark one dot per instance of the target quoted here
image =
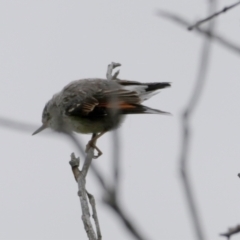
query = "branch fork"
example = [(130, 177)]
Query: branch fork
[(85, 197)]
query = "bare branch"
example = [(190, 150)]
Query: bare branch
[(181, 21), (231, 231), (225, 9), (75, 162), (110, 198), (95, 216), (80, 176)]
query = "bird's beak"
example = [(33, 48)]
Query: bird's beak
[(40, 129)]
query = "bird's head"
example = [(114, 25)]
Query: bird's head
[(53, 117), (46, 119), (50, 116)]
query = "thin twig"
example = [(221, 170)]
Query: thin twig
[(110, 198), (231, 231), (218, 38), (75, 163), (225, 9), (81, 179), (112, 202), (95, 216)]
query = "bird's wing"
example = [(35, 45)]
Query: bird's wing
[(79, 107), (102, 97), (101, 102)]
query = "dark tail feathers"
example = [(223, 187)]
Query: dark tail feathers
[(141, 109)]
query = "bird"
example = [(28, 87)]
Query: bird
[(96, 106)]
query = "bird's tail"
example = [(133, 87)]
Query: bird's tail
[(144, 90), (141, 109), (148, 86)]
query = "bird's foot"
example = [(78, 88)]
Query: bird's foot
[(92, 144)]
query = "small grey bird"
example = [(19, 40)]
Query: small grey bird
[(97, 106)]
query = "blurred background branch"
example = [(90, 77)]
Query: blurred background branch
[(185, 23), (231, 231), (16, 125), (187, 131), (225, 9), (187, 115)]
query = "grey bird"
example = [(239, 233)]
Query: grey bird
[(97, 106)]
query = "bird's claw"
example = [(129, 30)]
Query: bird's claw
[(92, 144)]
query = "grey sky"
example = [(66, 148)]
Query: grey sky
[(46, 44)]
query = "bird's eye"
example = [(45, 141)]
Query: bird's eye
[(47, 115)]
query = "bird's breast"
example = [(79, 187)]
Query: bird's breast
[(95, 125)]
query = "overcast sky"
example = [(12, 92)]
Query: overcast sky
[(46, 44)]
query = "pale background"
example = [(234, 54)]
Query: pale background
[(46, 44)]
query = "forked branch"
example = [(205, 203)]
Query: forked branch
[(80, 177)]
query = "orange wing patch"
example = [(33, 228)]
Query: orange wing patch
[(117, 105)]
